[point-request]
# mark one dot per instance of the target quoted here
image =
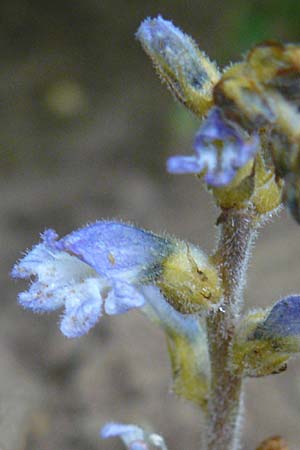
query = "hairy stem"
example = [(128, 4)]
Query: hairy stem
[(237, 231)]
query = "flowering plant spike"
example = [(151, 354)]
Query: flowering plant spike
[(247, 154)]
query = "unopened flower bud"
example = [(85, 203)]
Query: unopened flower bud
[(187, 71), (266, 339)]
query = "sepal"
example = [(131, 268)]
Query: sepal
[(190, 367), (267, 195), (189, 280), (238, 192)]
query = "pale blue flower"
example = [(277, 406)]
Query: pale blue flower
[(221, 148), (97, 269)]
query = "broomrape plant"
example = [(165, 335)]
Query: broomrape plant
[(247, 154)]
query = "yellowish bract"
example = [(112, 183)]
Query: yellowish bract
[(264, 89), (189, 365)]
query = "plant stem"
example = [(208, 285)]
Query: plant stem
[(237, 230)]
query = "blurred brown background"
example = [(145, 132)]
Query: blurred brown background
[(86, 128)]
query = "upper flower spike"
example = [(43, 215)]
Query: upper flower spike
[(97, 268), (221, 149), (188, 72)]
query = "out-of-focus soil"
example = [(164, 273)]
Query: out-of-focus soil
[(86, 129)]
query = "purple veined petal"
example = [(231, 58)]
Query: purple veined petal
[(81, 319), (249, 149), (283, 320), (41, 298), (132, 435), (55, 274), (231, 160), (214, 127), (122, 297), (83, 308), (205, 159), (114, 429), (31, 263), (220, 178), (184, 164), (51, 266), (115, 249), (221, 149), (207, 155), (138, 445)]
